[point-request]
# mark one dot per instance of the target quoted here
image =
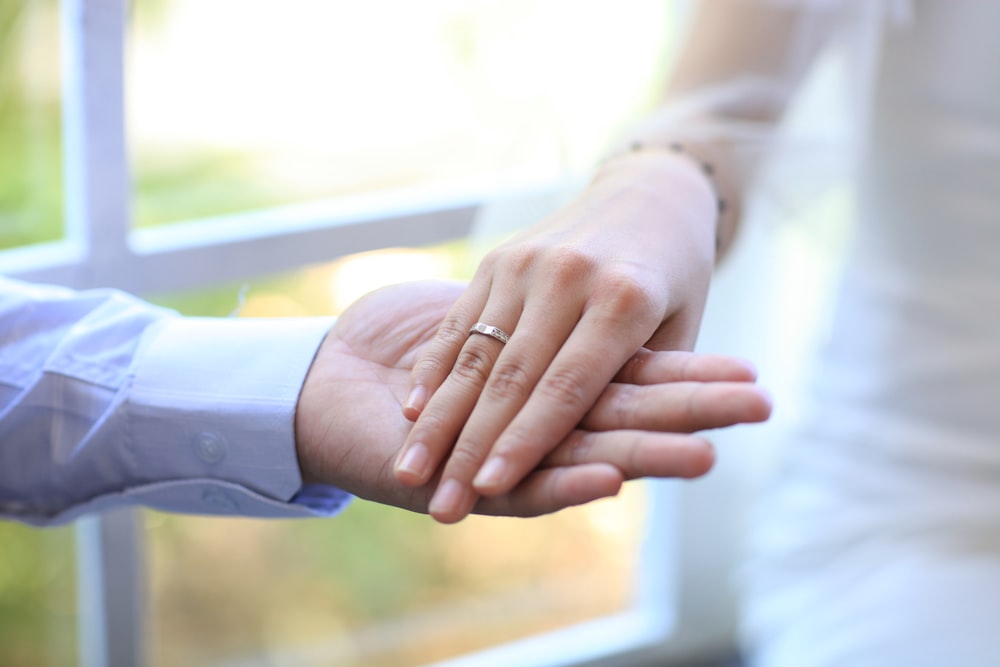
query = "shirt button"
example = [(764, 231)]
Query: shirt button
[(220, 501), (210, 447)]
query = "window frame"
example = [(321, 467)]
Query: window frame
[(100, 249)]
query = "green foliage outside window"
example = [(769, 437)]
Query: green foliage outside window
[(30, 138)]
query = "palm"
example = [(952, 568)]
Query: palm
[(386, 330), (362, 374)]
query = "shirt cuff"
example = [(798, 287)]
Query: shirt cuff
[(204, 496), (214, 399)]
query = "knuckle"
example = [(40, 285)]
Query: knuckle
[(566, 386), (690, 414), (473, 365), (568, 265), (450, 335), (452, 332), (431, 366), (519, 259), (624, 407), (623, 294), (688, 368), (489, 262), (518, 445), (634, 459), (509, 380), (499, 259), (465, 459), (581, 450)]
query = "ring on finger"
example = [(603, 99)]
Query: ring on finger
[(490, 330)]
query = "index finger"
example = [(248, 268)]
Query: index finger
[(438, 359)]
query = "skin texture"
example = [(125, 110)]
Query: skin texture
[(350, 426), (626, 265)]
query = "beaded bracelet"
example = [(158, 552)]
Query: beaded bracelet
[(707, 168)]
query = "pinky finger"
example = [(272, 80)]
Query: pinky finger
[(553, 489)]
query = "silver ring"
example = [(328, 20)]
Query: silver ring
[(490, 330)]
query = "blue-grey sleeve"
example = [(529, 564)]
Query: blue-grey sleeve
[(106, 401)]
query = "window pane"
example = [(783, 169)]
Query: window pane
[(37, 581), (376, 586), (37, 596), (242, 104), (30, 135)]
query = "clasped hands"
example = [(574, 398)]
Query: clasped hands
[(350, 427), (594, 386)]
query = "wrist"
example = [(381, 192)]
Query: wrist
[(666, 189), (682, 170), (310, 418)]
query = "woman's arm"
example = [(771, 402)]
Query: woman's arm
[(626, 265)]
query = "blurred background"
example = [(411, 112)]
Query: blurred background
[(238, 105)]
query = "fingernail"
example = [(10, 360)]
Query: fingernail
[(414, 461), (491, 474), (448, 498), (415, 399)]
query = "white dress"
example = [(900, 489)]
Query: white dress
[(878, 544)]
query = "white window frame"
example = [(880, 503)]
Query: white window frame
[(668, 621)]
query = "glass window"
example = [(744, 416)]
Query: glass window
[(242, 104), (37, 595), (30, 137), (37, 569), (381, 587)]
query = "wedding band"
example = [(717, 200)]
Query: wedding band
[(490, 330)]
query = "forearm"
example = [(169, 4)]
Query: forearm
[(741, 64)]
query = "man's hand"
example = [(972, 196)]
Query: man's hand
[(350, 426)]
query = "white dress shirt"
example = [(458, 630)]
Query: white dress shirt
[(106, 401)]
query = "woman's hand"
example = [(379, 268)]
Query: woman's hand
[(625, 266), (350, 427)]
